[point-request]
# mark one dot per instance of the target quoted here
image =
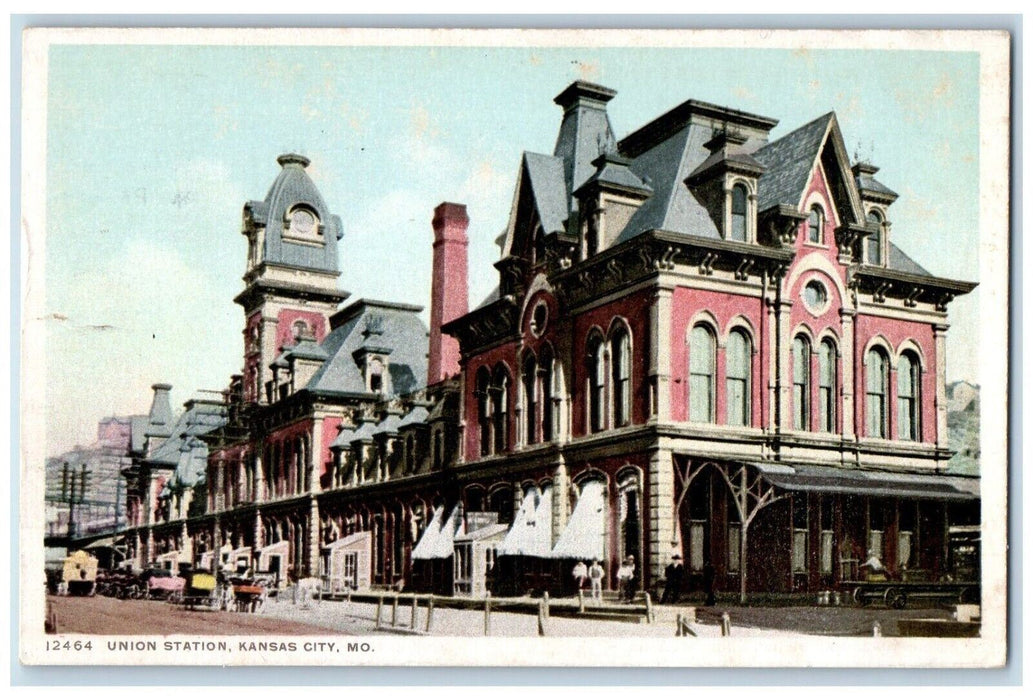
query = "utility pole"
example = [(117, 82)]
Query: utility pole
[(73, 491)]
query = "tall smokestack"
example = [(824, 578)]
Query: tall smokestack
[(448, 289)]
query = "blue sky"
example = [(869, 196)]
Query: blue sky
[(153, 150)]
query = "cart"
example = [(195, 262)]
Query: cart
[(897, 594), (248, 594), (79, 574), (202, 590)]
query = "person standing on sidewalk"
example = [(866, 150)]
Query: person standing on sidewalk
[(580, 575), (595, 576), (626, 579)]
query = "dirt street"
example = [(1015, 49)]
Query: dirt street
[(101, 615)]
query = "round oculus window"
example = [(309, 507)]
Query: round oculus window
[(815, 297), (302, 221), (539, 318)]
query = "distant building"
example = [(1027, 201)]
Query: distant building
[(101, 505), (703, 341)]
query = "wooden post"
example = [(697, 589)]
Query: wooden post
[(726, 625), (545, 604), (430, 611), (394, 611), (380, 608), (679, 624), (412, 622), (580, 601), (649, 609), (487, 615), (543, 615)]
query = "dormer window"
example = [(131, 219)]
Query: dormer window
[(815, 225), (376, 376), (737, 231), (300, 329), (873, 244), (301, 225)]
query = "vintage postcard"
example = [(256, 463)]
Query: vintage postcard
[(504, 347)]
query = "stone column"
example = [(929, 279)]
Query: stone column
[(782, 363), (660, 354), (312, 558), (186, 553), (560, 499), (847, 368), (662, 518), (259, 531), (940, 340), (269, 352), (259, 494), (220, 491), (316, 456), (149, 551)]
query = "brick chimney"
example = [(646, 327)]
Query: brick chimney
[(448, 289)]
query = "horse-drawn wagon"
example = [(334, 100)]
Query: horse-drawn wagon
[(79, 574)]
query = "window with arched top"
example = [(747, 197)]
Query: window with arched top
[(801, 383), (873, 243), (737, 378), (815, 224), (702, 363), (548, 396), (908, 394), (737, 231), (877, 368), (483, 396), (620, 353), (596, 362), (530, 381), (500, 410), (827, 386)]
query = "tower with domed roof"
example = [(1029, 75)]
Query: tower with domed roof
[(292, 269)]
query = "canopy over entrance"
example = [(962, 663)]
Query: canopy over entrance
[(586, 530), (870, 483)]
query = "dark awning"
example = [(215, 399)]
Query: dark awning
[(938, 487)]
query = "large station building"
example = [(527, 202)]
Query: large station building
[(703, 341)]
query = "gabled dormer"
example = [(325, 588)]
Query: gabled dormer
[(726, 184), (876, 199), (607, 201)]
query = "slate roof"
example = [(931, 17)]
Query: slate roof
[(389, 425), (672, 207), (549, 189), (789, 161), (399, 329), (416, 416), (584, 133), (306, 350), (199, 418), (612, 169), (291, 187), (344, 438), (899, 260)]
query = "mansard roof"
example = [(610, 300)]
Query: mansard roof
[(394, 327), (199, 418)]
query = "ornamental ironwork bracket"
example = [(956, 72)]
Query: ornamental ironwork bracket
[(742, 272), (706, 263), (911, 299), (879, 295)]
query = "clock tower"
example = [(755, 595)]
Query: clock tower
[(290, 287)]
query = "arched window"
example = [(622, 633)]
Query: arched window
[(702, 351), (546, 372), (873, 243), (530, 401), (500, 410), (596, 383), (620, 354), (827, 386), (801, 383), (737, 231), (877, 383), (737, 380), (484, 409), (908, 393), (815, 224)]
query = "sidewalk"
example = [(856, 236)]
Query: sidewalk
[(359, 618)]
